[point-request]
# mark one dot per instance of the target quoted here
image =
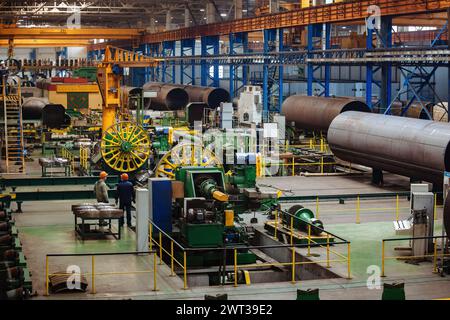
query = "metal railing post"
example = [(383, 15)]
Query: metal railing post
[(317, 208), (309, 240), (328, 250), (435, 257), (46, 276), (185, 271), (292, 230), (155, 286), (171, 259), (321, 165), (276, 224), (293, 165), (348, 262), (382, 257), (160, 248), (93, 275), (235, 268), (150, 232), (293, 264)]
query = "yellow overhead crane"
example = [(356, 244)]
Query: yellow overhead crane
[(12, 31), (109, 78), (125, 146)]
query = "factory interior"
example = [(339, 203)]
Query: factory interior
[(224, 150)]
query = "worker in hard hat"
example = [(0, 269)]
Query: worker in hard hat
[(125, 195), (101, 189)]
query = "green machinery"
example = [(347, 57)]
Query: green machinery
[(205, 218), (303, 217)]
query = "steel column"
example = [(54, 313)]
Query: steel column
[(386, 68), (238, 72), (187, 69), (168, 68), (272, 73), (210, 70), (323, 33)]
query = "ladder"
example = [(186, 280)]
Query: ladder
[(13, 128)]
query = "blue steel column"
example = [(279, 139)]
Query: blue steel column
[(187, 49), (269, 39), (155, 52), (147, 71), (327, 30), (323, 32), (280, 70), (310, 68), (168, 68), (210, 46), (386, 68), (138, 75), (238, 72), (369, 69)]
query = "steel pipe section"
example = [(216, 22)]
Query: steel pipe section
[(414, 148), (168, 97), (317, 113), (213, 97), (32, 108)]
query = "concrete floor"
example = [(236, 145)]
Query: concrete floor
[(47, 227)]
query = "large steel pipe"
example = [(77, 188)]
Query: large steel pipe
[(213, 97), (317, 113), (168, 97), (32, 108), (414, 148)]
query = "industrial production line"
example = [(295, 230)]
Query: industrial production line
[(210, 196)]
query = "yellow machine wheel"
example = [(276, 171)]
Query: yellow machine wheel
[(184, 155), (125, 147)]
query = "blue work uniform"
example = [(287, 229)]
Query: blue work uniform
[(126, 195)]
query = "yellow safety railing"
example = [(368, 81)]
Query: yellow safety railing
[(292, 165), (84, 160), (158, 241), (156, 236), (311, 243), (67, 154), (358, 209), (94, 273), (434, 257), (313, 144)]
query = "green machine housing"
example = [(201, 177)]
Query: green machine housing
[(205, 218)]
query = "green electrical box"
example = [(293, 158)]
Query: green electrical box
[(203, 235)]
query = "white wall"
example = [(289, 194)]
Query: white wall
[(77, 52)]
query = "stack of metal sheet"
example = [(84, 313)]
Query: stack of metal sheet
[(96, 211)]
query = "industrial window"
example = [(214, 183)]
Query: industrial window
[(211, 72)]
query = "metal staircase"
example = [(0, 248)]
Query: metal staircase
[(13, 129)]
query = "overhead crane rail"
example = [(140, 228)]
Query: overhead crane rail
[(331, 13)]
